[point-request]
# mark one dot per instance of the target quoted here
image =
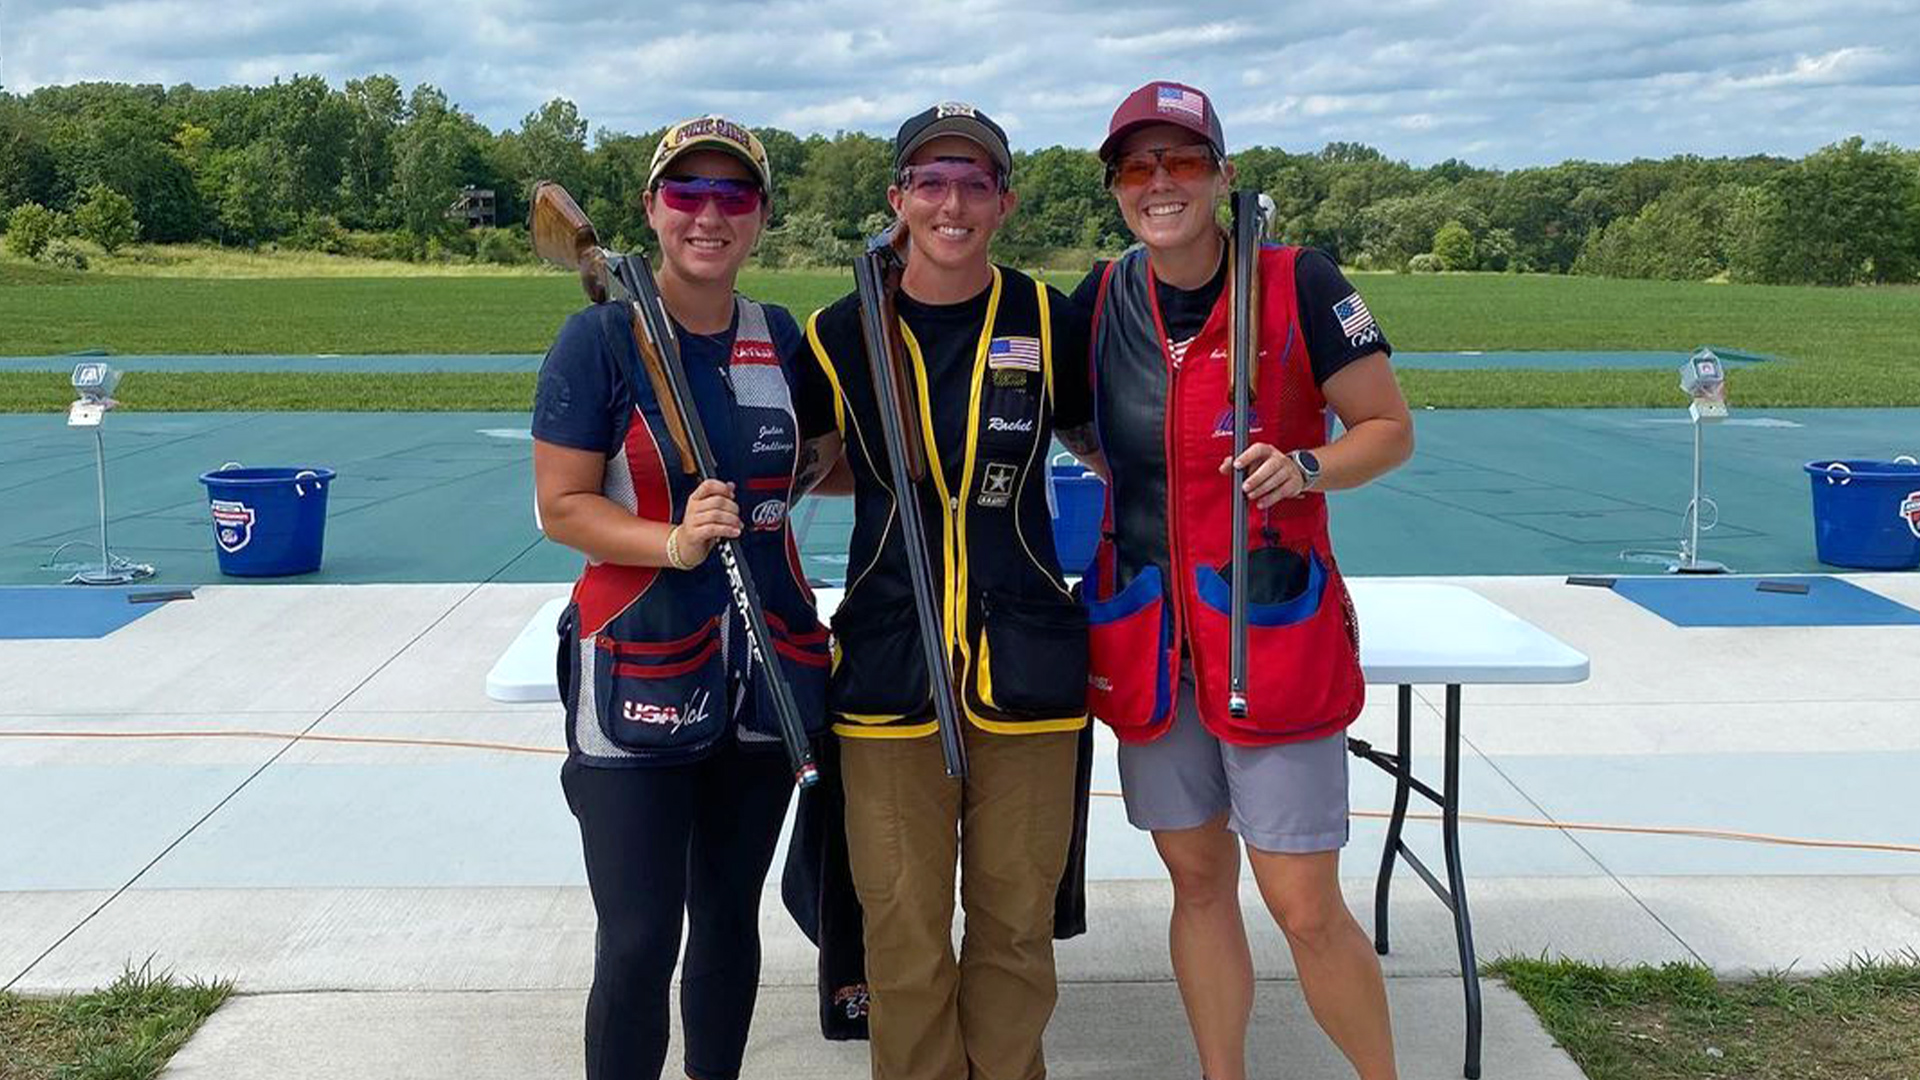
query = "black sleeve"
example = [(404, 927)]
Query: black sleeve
[(812, 394), (1087, 292), (1334, 320), (814, 398), (580, 396), (1072, 341)]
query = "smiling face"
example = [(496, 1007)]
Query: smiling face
[(705, 244), (949, 214), (1167, 211)]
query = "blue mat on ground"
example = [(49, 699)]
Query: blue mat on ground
[(37, 612), (1739, 601)]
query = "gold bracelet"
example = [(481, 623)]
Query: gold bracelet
[(673, 550)]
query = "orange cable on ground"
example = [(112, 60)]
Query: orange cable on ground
[(1478, 819)]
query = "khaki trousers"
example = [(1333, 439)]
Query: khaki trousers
[(1008, 826)]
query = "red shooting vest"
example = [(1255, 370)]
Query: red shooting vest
[(1159, 591)]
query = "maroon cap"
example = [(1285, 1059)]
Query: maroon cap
[(1165, 103)]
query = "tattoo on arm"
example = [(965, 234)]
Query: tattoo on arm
[(817, 457), (1083, 441)]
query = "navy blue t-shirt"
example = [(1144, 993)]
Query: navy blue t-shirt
[(584, 400)]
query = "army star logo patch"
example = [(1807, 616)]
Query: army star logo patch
[(996, 484)]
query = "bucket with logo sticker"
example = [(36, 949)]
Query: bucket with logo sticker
[(1866, 514), (1078, 499), (268, 522)]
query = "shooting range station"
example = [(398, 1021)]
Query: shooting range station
[(386, 823)]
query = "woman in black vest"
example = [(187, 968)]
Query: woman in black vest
[(674, 769), (998, 365)]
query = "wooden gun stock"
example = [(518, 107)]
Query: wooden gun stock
[(906, 398), (562, 235)]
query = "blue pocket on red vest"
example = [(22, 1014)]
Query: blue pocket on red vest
[(1303, 674), (665, 697), (1127, 683)]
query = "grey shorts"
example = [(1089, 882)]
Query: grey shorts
[(1290, 798)]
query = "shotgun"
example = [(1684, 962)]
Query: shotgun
[(876, 275), (1249, 210), (563, 235)]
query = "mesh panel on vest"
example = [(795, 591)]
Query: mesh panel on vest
[(617, 484), (758, 386), (586, 714)]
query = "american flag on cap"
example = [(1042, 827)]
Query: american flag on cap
[(1182, 100)]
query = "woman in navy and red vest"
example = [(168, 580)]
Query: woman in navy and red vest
[(1201, 780), (674, 770)]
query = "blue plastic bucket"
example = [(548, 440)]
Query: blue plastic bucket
[(1079, 501), (1866, 514), (268, 522)]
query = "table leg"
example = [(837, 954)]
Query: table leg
[(1457, 882), (1402, 775)]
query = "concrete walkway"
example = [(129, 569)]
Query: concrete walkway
[(420, 911)]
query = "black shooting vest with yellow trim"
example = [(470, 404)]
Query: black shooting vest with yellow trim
[(1015, 635)]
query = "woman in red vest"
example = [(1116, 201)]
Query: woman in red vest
[(1201, 780)]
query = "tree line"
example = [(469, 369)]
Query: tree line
[(371, 169)]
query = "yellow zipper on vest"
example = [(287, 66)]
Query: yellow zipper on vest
[(953, 532)]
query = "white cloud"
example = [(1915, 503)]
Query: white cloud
[(1499, 82)]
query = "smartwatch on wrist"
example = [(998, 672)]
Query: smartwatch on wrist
[(1309, 466)]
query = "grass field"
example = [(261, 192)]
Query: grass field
[(124, 1032), (1848, 346), (1680, 1022)]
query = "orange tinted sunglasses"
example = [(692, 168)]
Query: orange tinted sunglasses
[(1183, 164)]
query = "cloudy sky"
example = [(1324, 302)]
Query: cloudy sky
[(1496, 82)]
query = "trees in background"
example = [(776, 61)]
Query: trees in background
[(371, 168)]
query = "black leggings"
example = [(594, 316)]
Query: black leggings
[(658, 841)]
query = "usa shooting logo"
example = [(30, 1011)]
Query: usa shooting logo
[(1910, 510), (232, 525), (770, 515), (1223, 424)]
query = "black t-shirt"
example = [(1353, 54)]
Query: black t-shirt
[(1334, 321), (583, 400), (949, 338)]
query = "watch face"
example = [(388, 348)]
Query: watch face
[(1309, 463)]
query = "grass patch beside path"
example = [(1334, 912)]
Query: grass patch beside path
[(1680, 1022), (124, 1032)]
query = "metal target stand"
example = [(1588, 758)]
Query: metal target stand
[(95, 382), (1704, 379)]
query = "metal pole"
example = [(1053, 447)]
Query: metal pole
[(1693, 544), (100, 460)]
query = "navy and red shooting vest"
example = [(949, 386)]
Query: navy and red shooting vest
[(653, 658)]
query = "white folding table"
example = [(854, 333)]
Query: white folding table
[(1411, 634), (1420, 634)]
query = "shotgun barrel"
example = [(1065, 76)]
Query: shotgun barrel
[(876, 276), (1248, 230)]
